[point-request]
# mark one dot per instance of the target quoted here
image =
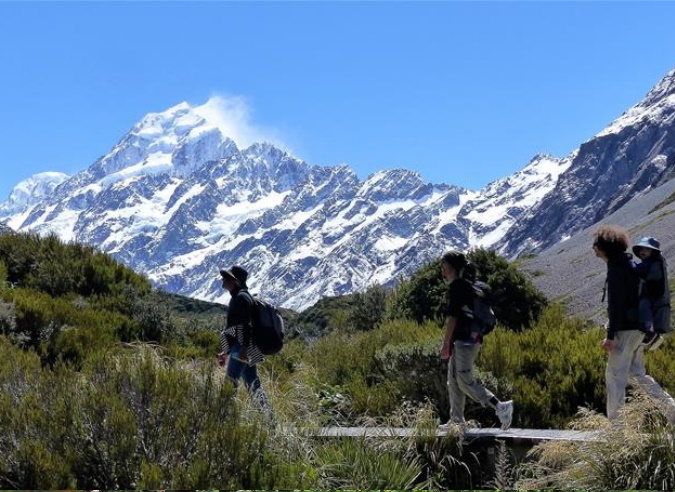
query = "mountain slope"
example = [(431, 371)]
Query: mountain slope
[(569, 271), (632, 155)]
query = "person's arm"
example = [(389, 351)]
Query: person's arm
[(616, 299), (450, 325), (655, 284)]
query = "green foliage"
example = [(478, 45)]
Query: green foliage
[(349, 363), (60, 328), (549, 370), (132, 421), (639, 455), (3, 275), (48, 265), (515, 300), (368, 308), (314, 322), (355, 465), (422, 297)]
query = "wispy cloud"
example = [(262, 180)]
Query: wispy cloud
[(233, 116)]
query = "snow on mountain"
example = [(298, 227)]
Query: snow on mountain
[(633, 155), (29, 192), (177, 199), (502, 203)]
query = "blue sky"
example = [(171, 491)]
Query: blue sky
[(463, 92)]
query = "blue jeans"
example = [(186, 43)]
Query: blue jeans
[(236, 370)]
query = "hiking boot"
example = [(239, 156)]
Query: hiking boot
[(504, 411), (650, 337), (656, 342)]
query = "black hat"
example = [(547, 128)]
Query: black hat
[(237, 273)]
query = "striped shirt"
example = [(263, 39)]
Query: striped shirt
[(238, 330)]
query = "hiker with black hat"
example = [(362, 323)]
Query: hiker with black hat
[(654, 294), (238, 350), (461, 347)]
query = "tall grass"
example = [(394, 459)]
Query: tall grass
[(637, 455)]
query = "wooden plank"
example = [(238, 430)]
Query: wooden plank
[(494, 433)]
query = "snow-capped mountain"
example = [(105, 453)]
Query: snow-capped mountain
[(177, 199), (28, 193), (634, 154)]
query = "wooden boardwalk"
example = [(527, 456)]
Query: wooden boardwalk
[(491, 433)]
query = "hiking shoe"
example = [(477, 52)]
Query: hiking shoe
[(650, 337), (504, 411), (461, 426), (656, 342)]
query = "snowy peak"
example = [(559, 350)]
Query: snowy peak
[(396, 184), (656, 107), (662, 90), (31, 191), (176, 141)]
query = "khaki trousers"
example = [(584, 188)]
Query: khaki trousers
[(461, 382)]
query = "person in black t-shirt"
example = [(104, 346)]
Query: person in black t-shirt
[(461, 347)]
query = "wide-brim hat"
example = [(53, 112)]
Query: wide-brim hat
[(237, 273), (647, 242)]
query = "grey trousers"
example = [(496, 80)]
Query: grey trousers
[(461, 382), (626, 364)]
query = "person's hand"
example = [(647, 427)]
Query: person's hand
[(243, 354), (446, 352), (608, 344), (222, 359)]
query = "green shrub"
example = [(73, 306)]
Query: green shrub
[(368, 308), (3, 275), (51, 266), (353, 464), (549, 370), (133, 421)]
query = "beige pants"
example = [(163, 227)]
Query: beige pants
[(461, 382), (626, 362)]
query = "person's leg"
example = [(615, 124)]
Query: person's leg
[(255, 389), (465, 358), (455, 394), (235, 367), (468, 385), (619, 362), (648, 385)]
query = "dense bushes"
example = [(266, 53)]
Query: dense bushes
[(51, 266), (132, 421), (68, 300)]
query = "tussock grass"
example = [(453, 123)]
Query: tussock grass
[(636, 453)]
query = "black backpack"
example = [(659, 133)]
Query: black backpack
[(267, 326), (482, 316)]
